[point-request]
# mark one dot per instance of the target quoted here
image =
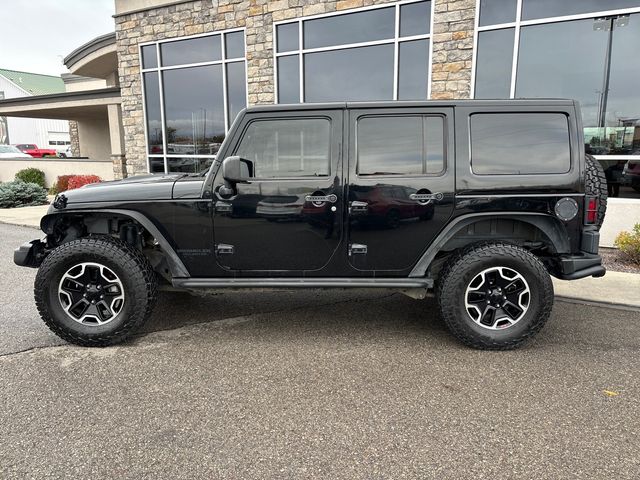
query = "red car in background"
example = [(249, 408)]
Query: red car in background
[(33, 150)]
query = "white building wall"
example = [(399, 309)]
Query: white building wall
[(30, 130)]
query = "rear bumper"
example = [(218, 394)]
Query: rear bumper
[(29, 254), (583, 265)]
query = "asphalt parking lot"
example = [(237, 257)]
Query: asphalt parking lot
[(314, 385)]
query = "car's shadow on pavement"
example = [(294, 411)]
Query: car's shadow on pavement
[(324, 313)]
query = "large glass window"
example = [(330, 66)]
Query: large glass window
[(193, 90), (379, 53), (579, 49), (400, 145), (288, 148), (519, 143)]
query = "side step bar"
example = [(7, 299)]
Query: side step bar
[(303, 283)]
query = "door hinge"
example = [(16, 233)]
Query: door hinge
[(224, 249), (357, 249)]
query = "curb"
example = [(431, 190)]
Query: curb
[(591, 303)]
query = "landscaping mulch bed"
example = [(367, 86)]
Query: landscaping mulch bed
[(613, 260)]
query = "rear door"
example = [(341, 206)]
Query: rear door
[(287, 219), (401, 182)]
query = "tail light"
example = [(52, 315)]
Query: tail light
[(590, 210)]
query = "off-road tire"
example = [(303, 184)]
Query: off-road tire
[(461, 269), (130, 265), (596, 185)]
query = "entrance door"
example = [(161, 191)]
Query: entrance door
[(287, 217), (401, 184)]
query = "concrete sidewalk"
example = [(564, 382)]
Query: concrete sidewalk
[(23, 216), (615, 288)]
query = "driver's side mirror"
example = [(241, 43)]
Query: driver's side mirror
[(237, 170)]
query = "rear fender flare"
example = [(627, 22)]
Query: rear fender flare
[(550, 226)]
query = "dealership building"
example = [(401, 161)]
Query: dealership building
[(178, 72)]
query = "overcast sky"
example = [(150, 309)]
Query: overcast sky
[(37, 34)]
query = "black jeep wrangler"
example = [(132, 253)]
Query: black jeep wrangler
[(480, 201)]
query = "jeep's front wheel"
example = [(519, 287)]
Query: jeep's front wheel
[(95, 291), (494, 296)]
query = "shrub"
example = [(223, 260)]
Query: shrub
[(629, 244), (62, 183), (31, 175), (21, 194), (77, 181)]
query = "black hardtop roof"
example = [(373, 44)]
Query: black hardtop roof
[(524, 102)]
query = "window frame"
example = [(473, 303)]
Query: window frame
[(445, 133), (395, 41), (251, 121), (516, 25), (159, 69)]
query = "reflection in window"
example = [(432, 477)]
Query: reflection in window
[(377, 24), (414, 70), (364, 73), (156, 165), (288, 79), (493, 12), (287, 37), (194, 97), (572, 69), (236, 88), (287, 148), (493, 66), (532, 9), (402, 145), (188, 164), (353, 56), (154, 118), (192, 50), (415, 18), (149, 56), (519, 144)]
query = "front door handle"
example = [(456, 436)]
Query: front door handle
[(320, 199), (426, 197)]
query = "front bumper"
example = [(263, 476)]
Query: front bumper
[(29, 254), (573, 267)]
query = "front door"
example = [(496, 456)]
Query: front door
[(287, 219), (401, 184)]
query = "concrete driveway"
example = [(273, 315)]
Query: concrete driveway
[(314, 385)]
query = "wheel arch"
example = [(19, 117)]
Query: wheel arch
[(550, 229), (177, 269)]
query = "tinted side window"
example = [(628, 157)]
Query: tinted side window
[(406, 145), (520, 143), (288, 148)]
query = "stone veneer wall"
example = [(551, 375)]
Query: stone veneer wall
[(74, 138), (453, 36)]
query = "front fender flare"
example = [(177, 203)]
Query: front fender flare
[(176, 267)]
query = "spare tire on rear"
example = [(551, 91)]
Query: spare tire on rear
[(596, 185)]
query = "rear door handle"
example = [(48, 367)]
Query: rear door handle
[(426, 197)]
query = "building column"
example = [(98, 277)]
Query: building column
[(116, 134), (452, 38)]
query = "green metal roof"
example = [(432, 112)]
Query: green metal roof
[(34, 83)]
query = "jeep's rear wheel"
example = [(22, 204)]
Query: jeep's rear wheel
[(95, 291), (494, 296)]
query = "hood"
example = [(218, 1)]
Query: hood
[(143, 187)]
